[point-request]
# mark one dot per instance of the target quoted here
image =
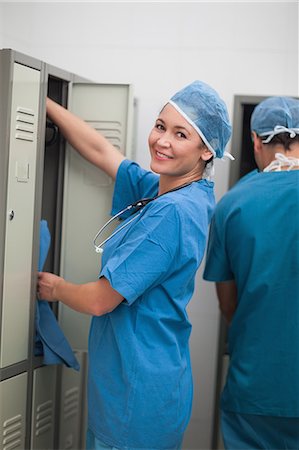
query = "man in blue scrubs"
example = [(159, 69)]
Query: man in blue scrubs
[(253, 256)]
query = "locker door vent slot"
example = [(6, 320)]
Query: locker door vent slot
[(111, 130), (12, 432), (44, 417), (71, 403), (25, 124)]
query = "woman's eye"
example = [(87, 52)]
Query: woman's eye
[(181, 135), (159, 126)]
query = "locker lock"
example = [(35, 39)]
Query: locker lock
[(11, 215)]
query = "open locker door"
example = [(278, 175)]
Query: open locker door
[(88, 191)]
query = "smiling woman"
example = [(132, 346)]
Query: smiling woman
[(140, 380)]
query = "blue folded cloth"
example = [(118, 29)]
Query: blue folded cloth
[(50, 340)]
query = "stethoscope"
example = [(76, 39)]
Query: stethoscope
[(136, 206)]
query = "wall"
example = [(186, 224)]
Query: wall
[(237, 47), (1, 26)]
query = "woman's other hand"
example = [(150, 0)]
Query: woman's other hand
[(46, 286)]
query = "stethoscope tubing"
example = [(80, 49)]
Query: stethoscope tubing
[(139, 204), (99, 247)]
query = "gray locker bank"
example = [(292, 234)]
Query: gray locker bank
[(44, 406)]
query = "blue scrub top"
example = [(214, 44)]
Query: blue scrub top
[(140, 382), (254, 239)]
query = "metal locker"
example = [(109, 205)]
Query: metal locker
[(72, 402), (13, 394), (43, 408), (18, 244)]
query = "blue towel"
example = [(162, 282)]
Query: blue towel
[(50, 340)]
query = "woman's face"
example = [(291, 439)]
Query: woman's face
[(176, 148)]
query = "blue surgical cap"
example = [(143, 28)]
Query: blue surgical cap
[(275, 115), (202, 107)]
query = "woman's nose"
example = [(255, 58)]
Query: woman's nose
[(164, 141)]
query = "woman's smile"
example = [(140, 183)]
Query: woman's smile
[(162, 156)]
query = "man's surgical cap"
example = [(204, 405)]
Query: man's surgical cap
[(202, 107), (275, 115)]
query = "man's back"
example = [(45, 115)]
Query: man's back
[(253, 256), (259, 224)]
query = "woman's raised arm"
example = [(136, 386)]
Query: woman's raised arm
[(87, 141)]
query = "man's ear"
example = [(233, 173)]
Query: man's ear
[(206, 154), (257, 142)]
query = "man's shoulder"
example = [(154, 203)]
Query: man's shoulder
[(242, 192), (243, 183)]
